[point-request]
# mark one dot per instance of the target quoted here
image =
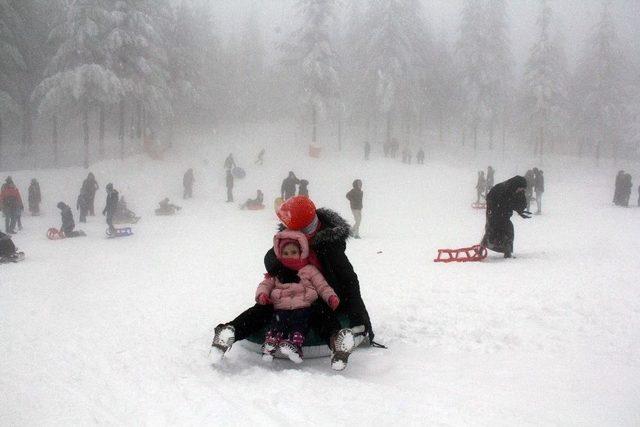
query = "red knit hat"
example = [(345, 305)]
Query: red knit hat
[(299, 213)]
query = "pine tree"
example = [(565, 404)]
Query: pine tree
[(78, 76), (601, 88), (545, 86), (394, 58), (311, 55)]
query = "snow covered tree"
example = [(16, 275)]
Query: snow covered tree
[(601, 89), (473, 61), (544, 102), (139, 59), (311, 56), (78, 76), (499, 64), (394, 57)]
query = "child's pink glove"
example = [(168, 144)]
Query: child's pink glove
[(263, 299), (333, 302)]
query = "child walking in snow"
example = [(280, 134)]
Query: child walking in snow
[(292, 290)]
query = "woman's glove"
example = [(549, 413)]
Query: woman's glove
[(263, 299), (333, 302)]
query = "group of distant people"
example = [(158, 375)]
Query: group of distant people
[(390, 149), (623, 187)]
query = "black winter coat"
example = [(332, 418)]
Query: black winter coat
[(502, 200), (288, 187), (329, 245), (355, 198), (67, 219), (112, 204), (7, 247)]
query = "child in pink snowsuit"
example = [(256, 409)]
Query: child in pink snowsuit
[(292, 291)]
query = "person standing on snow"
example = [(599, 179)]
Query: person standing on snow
[(303, 188), (34, 197), (187, 183), (111, 206), (490, 179), (355, 201), (538, 186), (481, 186), (420, 156), (502, 200), (229, 184), (82, 204), (625, 190), (288, 187), (11, 204), (618, 186), (326, 233), (229, 163), (90, 186), (528, 193)]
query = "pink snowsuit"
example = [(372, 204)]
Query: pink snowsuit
[(292, 296)]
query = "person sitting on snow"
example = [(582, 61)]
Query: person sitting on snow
[(7, 248), (291, 287), (167, 208), (327, 234), (67, 221), (256, 203)]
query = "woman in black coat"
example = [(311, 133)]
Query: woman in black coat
[(502, 200), (329, 245)]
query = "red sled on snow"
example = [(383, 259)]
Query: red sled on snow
[(55, 234), (471, 254), (479, 205)]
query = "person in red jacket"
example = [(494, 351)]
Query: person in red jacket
[(292, 289), (11, 204)]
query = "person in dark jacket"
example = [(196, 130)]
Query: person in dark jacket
[(11, 204), (327, 233), (420, 156), (355, 201), (229, 183), (68, 224), (260, 158), (528, 193), (256, 203), (82, 204), (167, 208), (7, 248), (34, 197), (111, 206), (481, 186), (229, 163), (90, 186), (288, 187), (303, 188), (618, 187), (538, 187), (502, 200), (490, 179), (625, 190), (367, 150), (187, 183)]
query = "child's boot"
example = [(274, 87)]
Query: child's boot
[(223, 339), (270, 345), (342, 344), (293, 348)]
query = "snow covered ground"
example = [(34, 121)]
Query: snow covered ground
[(117, 332)]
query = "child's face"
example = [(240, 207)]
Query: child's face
[(290, 251)]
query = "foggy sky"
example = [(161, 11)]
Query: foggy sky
[(575, 18)]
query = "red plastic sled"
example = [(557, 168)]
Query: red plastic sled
[(474, 253), (55, 234), (480, 205)]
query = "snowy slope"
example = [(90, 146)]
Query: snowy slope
[(117, 331)]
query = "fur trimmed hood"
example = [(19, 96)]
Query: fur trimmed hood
[(333, 229)]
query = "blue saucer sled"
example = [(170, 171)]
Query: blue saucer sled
[(119, 232), (314, 347)]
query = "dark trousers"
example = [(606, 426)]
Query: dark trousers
[(10, 218), (83, 214), (288, 322), (188, 192), (110, 222), (322, 319), (90, 200), (229, 194)]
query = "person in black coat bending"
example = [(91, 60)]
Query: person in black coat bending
[(327, 233), (288, 187), (502, 200), (67, 221), (111, 206)]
